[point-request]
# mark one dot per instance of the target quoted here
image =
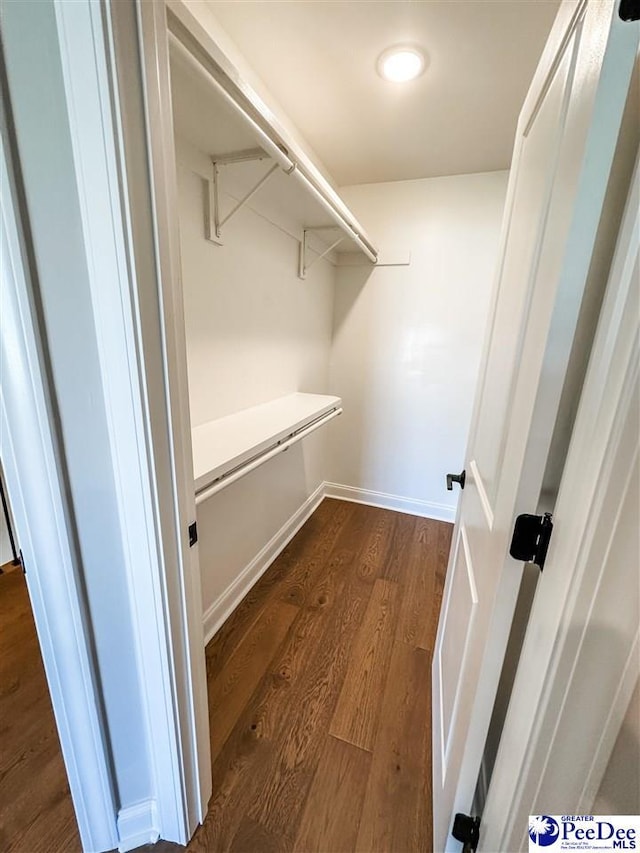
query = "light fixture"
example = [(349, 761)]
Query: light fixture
[(401, 63)]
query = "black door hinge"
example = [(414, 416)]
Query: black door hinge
[(466, 829), (193, 534), (531, 537), (629, 10)]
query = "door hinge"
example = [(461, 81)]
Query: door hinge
[(531, 537), (466, 829), (629, 10), (193, 534)]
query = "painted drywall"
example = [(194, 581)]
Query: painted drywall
[(254, 332), (39, 108), (408, 339)]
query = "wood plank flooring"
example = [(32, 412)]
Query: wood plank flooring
[(319, 692), (36, 813), (319, 700)]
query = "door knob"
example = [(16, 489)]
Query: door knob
[(456, 478)]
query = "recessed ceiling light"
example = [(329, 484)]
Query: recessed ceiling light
[(401, 63)]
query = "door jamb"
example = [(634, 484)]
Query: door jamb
[(107, 131)]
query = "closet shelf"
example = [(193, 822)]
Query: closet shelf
[(228, 448), (220, 113)]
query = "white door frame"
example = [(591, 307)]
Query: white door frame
[(34, 474), (159, 310), (565, 614), (98, 49)]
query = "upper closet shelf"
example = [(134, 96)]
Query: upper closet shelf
[(222, 115), (228, 448)]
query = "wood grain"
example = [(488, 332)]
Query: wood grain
[(396, 809), (415, 623), (335, 637), (365, 583), (356, 716), (317, 535), (396, 567), (331, 816), (36, 812), (231, 690), (301, 731)]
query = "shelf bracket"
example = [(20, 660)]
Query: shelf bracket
[(213, 220), (304, 263)]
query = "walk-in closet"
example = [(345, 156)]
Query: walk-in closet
[(261, 235), (298, 327)]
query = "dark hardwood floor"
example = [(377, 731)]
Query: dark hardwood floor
[(36, 813), (319, 700), (319, 691)]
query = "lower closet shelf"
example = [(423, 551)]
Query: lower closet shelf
[(228, 448)]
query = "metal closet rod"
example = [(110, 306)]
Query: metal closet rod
[(273, 149)]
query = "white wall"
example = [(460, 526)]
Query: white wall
[(254, 332), (407, 339)]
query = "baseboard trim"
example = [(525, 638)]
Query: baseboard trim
[(410, 506), (138, 825), (226, 603)]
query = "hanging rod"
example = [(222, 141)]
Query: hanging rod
[(254, 462), (271, 145)]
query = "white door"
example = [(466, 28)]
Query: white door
[(565, 141), (580, 661)]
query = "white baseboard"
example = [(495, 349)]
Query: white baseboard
[(138, 825), (425, 509), (223, 606)]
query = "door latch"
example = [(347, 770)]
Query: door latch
[(531, 537), (193, 534), (456, 478), (466, 829)]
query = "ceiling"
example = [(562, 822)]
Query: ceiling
[(318, 59)]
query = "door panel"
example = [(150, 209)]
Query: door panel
[(564, 148), (532, 198), (455, 638)]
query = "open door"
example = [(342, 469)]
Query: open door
[(564, 147)]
